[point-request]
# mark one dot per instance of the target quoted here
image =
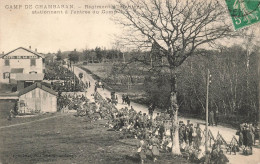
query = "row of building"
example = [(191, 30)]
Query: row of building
[(24, 68)]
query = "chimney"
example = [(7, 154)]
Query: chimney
[(30, 47), (35, 49), (3, 52)]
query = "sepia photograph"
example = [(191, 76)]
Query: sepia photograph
[(129, 81)]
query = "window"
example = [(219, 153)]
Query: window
[(7, 62), (33, 72), (22, 103), (6, 75), (33, 62)]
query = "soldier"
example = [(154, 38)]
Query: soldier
[(123, 98), (87, 85), (222, 159), (241, 138), (185, 133), (249, 137), (198, 137), (11, 115), (127, 100), (190, 132), (245, 140), (211, 118), (151, 109), (181, 135), (215, 151), (142, 147), (161, 130), (131, 109), (116, 99), (155, 147), (207, 158), (216, 117), (252, 132), (145, 120), (158, 117)]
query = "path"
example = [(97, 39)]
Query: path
[(227, 133)]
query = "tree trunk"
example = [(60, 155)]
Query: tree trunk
[(174, 110), (175, 136)]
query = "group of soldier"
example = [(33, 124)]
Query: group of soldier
[(63, 79), (126, 99), (154, 133), (247, 136)]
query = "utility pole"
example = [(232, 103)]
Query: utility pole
[(258, 96), (128, 82), (151, 60), (124, 57), (207, 110), (74, 78)]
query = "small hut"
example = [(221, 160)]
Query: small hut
[(37, 98)]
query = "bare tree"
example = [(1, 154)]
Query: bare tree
[(176, 28)]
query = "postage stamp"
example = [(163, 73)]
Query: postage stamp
[(243, 12)]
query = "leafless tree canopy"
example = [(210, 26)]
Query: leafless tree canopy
[(175, 27)]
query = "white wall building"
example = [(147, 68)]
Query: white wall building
[(21, 64), (37, 98)]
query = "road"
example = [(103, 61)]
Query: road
[(227, 133)]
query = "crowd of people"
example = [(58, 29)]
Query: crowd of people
[(154, 133), (62, 79), (55, 71)]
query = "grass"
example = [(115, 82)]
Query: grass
[(100, 69), (7, 105), (70, 139), (100, 72), (6, 87)]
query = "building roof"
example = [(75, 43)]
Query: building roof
[(16, 70), (29, 77), (29, 50), (34, 86)]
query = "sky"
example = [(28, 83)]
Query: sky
[(51, 32), (65, 32)]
